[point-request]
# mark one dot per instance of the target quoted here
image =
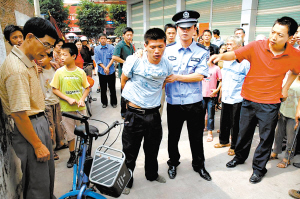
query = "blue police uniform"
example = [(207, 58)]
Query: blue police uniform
[(184, 99)]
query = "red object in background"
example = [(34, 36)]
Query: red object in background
[(53, 21)]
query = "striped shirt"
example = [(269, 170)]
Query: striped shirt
[(20, 88)]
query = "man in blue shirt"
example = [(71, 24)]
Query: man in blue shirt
[(106, 71), (184, 93), (142, 82), (233, 74)]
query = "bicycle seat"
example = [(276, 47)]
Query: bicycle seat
[(80, 131)]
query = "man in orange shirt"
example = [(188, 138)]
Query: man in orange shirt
[(262, 91)]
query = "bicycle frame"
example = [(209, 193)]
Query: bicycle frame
[(80, 179)]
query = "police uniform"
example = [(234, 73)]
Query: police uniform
[(184, 98)]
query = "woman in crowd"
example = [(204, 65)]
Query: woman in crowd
[(79, 60), (56, 52)]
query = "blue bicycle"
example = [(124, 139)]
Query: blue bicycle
[(109, 173)]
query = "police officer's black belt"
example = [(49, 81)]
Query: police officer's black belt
[(37, 115), (142, 110)]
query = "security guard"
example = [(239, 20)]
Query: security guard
[(184, 93)]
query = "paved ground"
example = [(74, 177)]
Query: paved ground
[(226, 183)]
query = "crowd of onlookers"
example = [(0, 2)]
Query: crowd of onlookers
[(65, 72)]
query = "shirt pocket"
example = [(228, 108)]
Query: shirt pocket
[(109, 55)]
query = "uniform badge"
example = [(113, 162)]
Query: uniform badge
[(172, 58), (186, 15), (195, 59)]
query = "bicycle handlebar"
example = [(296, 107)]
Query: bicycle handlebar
[(83, 118), (109, 128)]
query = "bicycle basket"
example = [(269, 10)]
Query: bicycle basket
[(109, 172)]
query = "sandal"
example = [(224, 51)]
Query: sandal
[(209, 138), (231, 152), (55, 156), (273, 156), (218, 131), (283, 164), (219, 145)]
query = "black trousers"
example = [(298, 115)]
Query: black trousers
[(229, 122), (139, 125), (193, 114), (110, 81), (266, 115)]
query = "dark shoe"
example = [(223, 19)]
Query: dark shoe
[(233, 163), (62, 147), (255, 178), (55, 156), (114, 106), (104, 106), (204, 174), (71, 161), (296, 165), (172, 172)]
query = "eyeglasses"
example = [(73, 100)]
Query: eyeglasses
[(46, 46)]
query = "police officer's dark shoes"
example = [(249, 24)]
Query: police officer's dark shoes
[(233, 163), (172, 172), (255, 178), (71, 161), (204, 174)]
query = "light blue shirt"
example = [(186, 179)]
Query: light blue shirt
[(233, 75), (103, 55), (218, 42), (144, 88), (186, 61)]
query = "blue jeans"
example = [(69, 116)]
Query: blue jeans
[(209, 105)]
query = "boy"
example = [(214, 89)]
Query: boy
[(68, 83), (142, 82), (52, 110)]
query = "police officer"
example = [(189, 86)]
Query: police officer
[(184, 93)]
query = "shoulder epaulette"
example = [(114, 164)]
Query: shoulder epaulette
[(201, 46), (171, 44)]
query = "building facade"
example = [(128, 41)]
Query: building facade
[(254, 16)]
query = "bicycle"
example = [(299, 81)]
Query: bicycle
[(88, 103), (86, 166), (89, 99)]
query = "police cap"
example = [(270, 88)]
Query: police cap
[(186, 18)]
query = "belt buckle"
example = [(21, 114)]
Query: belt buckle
[(142, 111)]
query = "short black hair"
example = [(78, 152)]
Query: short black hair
[(39, 27), (207, 31), (73, 50), (154, 34), (102, 35), (239, 29), (216, 32), (58, 40), (127, 29), (77, 40), (289, 22), (169, 25), (221, 47), (9, 29)]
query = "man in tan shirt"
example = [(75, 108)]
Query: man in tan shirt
[(23, 100)]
